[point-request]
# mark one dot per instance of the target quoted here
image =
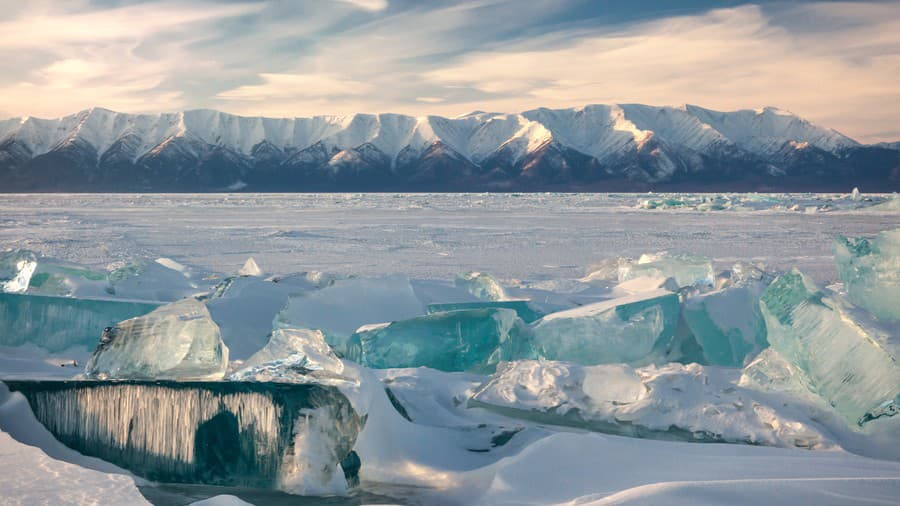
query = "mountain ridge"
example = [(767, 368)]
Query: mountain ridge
[(591, 147)]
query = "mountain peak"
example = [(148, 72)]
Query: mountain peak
[(626, 140)]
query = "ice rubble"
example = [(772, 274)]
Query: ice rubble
[(870, 271), (176, 341), (849, 359), (680, 402), (633, 329), (462, 340)]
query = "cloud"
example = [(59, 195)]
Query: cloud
[(368, 5), (735, 58), (834, 63), (296, 86), (56, 61)]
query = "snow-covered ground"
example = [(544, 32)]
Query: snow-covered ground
[(465, 438)]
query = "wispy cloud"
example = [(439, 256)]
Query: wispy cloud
[(834, 63)]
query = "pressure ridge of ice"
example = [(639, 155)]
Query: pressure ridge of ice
[(664, 346)]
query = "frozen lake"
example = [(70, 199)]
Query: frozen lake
[(528, 236)]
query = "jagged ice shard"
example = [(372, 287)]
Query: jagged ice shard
[(633, 329), (727, 323), (870, 270), (338, 310), (176, 341), (686, 270), (481, 285), (260, 435), (292, 356), (849, 361), (465, 340), (16, 269)]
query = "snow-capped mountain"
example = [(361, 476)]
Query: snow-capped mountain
[(626, 146)]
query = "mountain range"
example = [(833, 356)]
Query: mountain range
[(620, 147)]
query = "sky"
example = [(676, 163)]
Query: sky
[(836, 64)]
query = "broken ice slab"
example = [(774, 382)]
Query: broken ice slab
[(244, 307), (686, 270), (162, 279), (850, 361), (59, 323), (521, 307), (16, 269), (292, 355), (634, 329), (727, 323), (466, 340), (261, 435), (176, 341), (481, 285), (870, 270), (673, 402), (338, 310)]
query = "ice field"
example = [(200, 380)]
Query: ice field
[(450, 349)]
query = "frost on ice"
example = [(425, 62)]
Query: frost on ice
[(633, 329), (870, 270), (463, 340), (849, 359), (676, 402), (176, 341)]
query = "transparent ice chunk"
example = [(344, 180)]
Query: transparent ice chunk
[(481, 285), (465, 340), (291, 356), (58, 323), (633, 329), (686, 270), (250, 268), (16, 269), (727, 323), (338, 310), (850, 360), (521, 307), (176, 341), (870, 270), (159, 280)]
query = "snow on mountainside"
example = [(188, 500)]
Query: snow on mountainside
[(205, 149)]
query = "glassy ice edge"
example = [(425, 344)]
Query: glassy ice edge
[(665, 347)]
